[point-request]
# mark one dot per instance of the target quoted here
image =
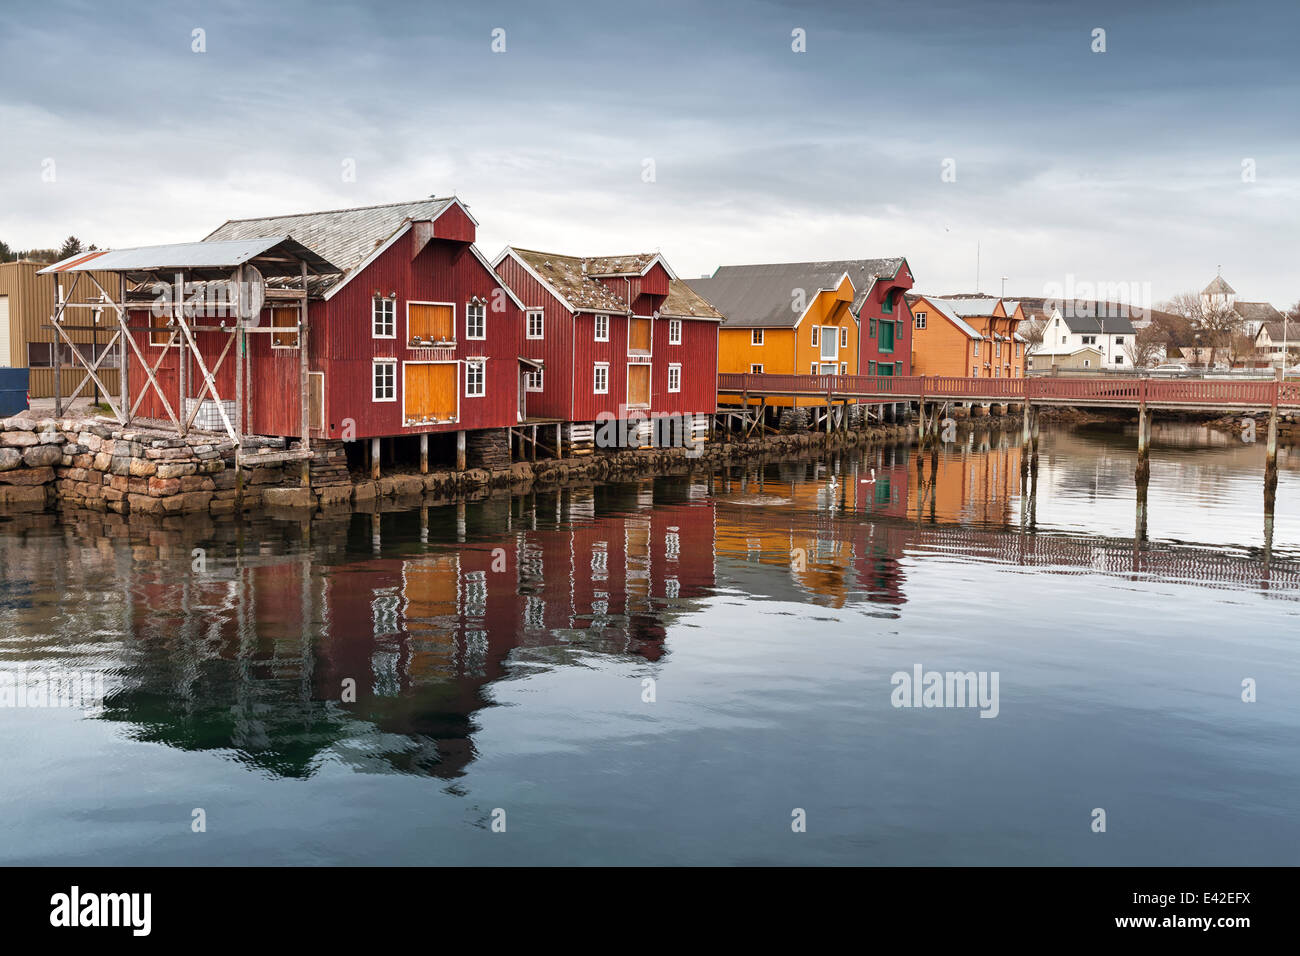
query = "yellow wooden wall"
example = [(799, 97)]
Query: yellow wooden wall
[(940, 348)]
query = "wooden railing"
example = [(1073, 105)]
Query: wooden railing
[(1256, 393)]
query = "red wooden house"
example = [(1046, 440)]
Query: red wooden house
[(416, 337), (612, 337)]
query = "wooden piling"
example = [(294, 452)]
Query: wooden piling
[(460, 451), (424, 453), (374, 459)]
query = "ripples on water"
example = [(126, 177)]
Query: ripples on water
[(501, 651)]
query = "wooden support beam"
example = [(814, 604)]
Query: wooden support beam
[(460, 451), (374, 458), (424, 453)]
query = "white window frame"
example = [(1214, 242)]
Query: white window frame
[(844, 368), (374, 369), (533, 381), (816, 339), (755, 336), (601, 325), (813, 370), (674, 367), (977, 349), (755, 368), (674, 331), (920, 319), (541, 324), (295, 329), (482, 366), (481, 304), (596, 387), (374, 309), (844, 336)]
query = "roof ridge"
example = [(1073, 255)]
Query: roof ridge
[(330, 212)]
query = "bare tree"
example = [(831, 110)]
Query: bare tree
[(1145, 348), (1211, 325)]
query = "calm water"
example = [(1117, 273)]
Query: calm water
[(500, 651)]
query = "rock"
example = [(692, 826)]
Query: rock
[(10, 458), (40, 455), (141, 468), (23, 498), (191, 501), (288, 498), (160, 487), (191, 483), (334, 495), (170, 469), (144, 505), (12, 439), (27, 476)]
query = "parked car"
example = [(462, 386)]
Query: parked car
[(1171, 370)]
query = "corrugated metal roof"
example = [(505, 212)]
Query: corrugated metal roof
[(945, 309), (196, 257), (981, 307), (862, 272), (770, 295), (343, 236)]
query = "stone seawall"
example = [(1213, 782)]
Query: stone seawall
[(92, 465), (88, 464)]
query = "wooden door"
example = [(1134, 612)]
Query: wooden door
[(430, 322), (316, 400), (430, 392), (638, 384)]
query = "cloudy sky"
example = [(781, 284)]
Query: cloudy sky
[(1171, 153)]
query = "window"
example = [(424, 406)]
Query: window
[(974, 371), (533, 380), (602, 328), (674, 331), (997, 350), (898, 368), (977, 349), (284, 319), (756, 370), (887, 303), (600, 383), (1020, 349), (997, 371), (844, 337), (1089, 340), (160, 329), (1119, 360), (384, 380), (815, 340), (383, 318), (475, 320), (871, 368), (674, 378), (475, 378), (844, 368), (812, 370), (755, 336), (887, 336), (920, 320), (1119, 340), (535, 324), (871, 329), (42, 354), (1087, 363)]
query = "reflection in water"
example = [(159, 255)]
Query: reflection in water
[(376, 641)]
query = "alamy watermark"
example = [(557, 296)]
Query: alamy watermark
[(922, 688), (38, 688)]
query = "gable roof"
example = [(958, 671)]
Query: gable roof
[(346, 237), (637, 264), (944, 308), (1218, 287), (1257, 311), (977, 307), (683, 302), (569, 280), (1104, 324), (1278, 332), (764, 295)]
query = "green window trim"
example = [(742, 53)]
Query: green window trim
[(871, 368), (871, 329), (887, 303)]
